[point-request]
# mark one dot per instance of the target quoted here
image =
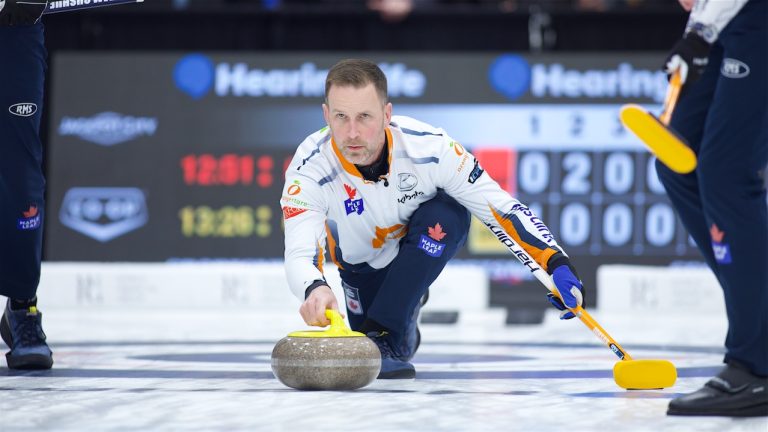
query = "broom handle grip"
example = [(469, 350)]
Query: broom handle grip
[(673, 92)]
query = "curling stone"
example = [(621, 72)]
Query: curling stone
[(333, 359)]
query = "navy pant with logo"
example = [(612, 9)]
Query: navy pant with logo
[(724, 117), (390, 295), (22, 185)]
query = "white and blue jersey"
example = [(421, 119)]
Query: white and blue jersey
[(326, 202)]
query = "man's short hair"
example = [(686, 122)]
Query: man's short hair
[(357, 73)]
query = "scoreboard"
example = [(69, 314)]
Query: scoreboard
[(597, 202), (181, 156)]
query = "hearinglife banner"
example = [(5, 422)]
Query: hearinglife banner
[(175, 156)]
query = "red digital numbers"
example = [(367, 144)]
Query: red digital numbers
[(227, 170), (265, 164)]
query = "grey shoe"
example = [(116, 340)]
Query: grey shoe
[(393, 366), (22, 331)]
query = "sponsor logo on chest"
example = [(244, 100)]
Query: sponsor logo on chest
[(409, 196), (352, 205), (406, 182)]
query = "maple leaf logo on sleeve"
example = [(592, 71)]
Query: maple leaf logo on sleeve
[(437, 232)]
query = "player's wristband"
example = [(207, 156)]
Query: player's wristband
[(557, 260), (312, 286), (707, 32)]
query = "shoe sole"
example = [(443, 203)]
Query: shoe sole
[(398, 374), (29, 362), (760, 410)]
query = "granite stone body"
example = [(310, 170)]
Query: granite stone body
[(326, 363)]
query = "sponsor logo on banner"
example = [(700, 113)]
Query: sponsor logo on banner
[(477, 171), (352, 205), (431, 245), (733, 68), (24, 109), (193, 75), (354, 306), (512, 76), (197, 75), (108, 128), (406, 182), (70, 5), (104, 213), (722, 250), (31, 219)]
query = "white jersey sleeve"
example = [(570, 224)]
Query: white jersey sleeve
[(462, 177), (304, 216), (709, 17)]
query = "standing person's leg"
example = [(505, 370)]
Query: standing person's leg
[(22, 187), (683, 190), (731, 174), (733, 159)]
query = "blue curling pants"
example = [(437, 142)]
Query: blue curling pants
[(724, 117), (390, 295), (22, 185)]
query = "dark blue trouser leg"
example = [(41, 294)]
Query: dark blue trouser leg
[(390, 296), (723, 203), (22, 185)]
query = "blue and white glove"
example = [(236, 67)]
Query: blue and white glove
[(567, 284)]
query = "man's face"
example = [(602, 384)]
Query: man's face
[(358, 119)]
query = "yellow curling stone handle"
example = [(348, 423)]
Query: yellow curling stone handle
[(338, 328)]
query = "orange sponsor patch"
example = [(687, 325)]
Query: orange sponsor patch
[(458, 148), (289, 212), (294, 189)]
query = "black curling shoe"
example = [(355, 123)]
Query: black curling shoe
[(734, 392)]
